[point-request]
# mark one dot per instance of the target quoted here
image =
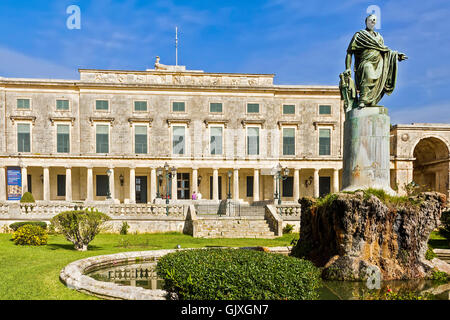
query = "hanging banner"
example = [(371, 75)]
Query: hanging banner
[(14, 182)]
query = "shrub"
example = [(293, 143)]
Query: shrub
[(236, 274), (27, 198), (17, 225), (440, 277), (30, 235), (430, 255), (124, 229), (79, 227), (288, 229)]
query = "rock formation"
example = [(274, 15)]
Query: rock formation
[(347, 234)]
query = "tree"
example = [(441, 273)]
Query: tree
[(79, 227)]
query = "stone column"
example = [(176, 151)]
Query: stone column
[(153, 185), (194, 182), (316, 183), (335, 180), (90, 185), (24, 180), (111, 183), (46, 184), (296, 184), (68, 183), (132, 185), (174, 187), (256, 185), (236, 184), (215, 184), (3, 195)]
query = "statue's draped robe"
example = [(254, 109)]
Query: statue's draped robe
[(375, 66)]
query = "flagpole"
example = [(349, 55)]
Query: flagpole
[(176, 46)]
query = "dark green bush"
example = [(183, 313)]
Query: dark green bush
[(445, 225), (430, 255), (17, 225), (30, 235), (288, 229), (27, 197), (124, 229), (440, 277), (79, 227), (236, 274)]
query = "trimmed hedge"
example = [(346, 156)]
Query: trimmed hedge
[(27, 198), (16, 225), (236, 274), (30, 235)]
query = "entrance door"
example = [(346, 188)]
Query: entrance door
[(141, 189), (183, 186), (211, 187), (324, 186)]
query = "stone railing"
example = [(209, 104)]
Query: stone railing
[(146, 209), (45, 208), (4, 208), (289, 210)]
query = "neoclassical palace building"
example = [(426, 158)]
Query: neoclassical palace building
[(239, 136)]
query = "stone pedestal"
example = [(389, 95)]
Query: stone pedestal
[(366, 150)]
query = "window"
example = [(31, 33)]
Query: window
[(216, 134), (288, 187), (183, 186), (253, 108), (179, 140), (102, 138), (140, 106), (288, 109), (288, 141), (23, 137), (62, 104), (63, 138), (23, 104), (140, 139), (253, 141), (249, 186), (61, 185), (324, 142), (178, 107), (215, 107), (324, 109), (102, 105), (102, 186)]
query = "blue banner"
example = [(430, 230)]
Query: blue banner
[(14, 182)]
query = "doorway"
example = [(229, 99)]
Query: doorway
[(324, 186), (141, 189)]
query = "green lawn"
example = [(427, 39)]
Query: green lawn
[(32, 273)]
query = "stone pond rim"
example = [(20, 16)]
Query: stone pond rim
[(352, 233)]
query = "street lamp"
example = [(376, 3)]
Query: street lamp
[(108, 194), (281, 174), (170, 172), (229, 184)]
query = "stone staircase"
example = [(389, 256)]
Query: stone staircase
[(233, 227), (443, 254)]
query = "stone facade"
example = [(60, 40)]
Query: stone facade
[(133, 176)]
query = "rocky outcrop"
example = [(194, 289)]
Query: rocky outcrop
[(350, 234)]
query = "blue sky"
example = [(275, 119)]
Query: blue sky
[(302, 42)]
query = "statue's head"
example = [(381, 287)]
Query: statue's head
[(371, 21)]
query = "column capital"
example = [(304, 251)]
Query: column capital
[(45, 167), (68, 166), (89, 166)]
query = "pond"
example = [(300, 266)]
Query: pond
[(143, 275)]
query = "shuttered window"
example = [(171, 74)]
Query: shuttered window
[(23, 137), (23, 103), (140, 139), (324, 142), (178, 107), (288, 109), (63, 138), (253, 108), (215, 107), (102, 105), (140, 106), (102, 138), (179, 140), (288, 141), (324, 109), (253, 141), (216, 140), (62, 104)]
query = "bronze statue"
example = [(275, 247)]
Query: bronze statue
[(375, 68)]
